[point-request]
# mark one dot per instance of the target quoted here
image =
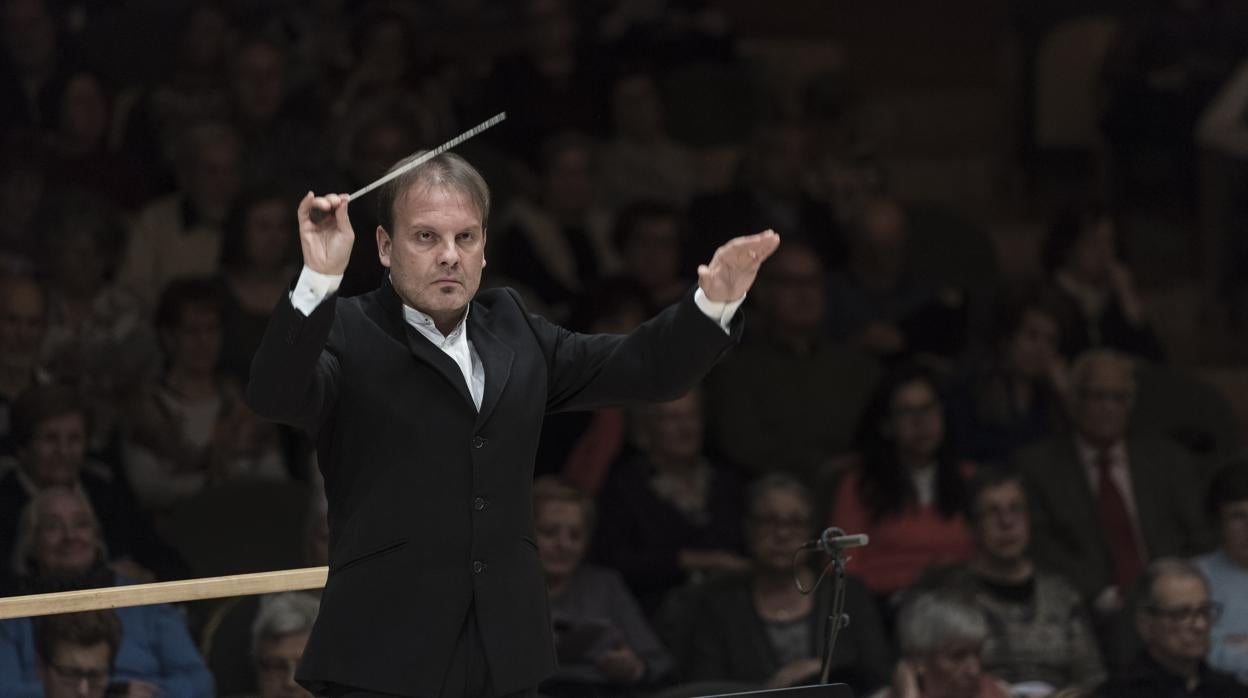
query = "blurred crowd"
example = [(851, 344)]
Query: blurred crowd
[(1051, 508)]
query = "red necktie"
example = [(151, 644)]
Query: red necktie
[(1116, 521)]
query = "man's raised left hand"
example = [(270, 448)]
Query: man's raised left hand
[(734, 266)]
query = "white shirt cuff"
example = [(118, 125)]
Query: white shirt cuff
[(312, 288), (719, 311)]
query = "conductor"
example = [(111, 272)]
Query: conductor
[(425, 399)]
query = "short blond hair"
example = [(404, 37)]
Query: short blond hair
[(552, 488)]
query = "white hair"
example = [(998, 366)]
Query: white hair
[(283, 614), (937, 620)]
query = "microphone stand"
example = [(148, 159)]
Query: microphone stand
[(837, 619)]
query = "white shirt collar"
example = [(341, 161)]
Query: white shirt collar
[(429, 328)]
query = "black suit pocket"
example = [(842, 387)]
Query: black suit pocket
[(372, 554)]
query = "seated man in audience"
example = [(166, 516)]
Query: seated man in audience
[(75, 653), (1174, 617), (942, 637), (788, 399), (668, 514), (278, 636), (1226, 569), (1104, 501), (1040, 639)]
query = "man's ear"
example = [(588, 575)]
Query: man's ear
[(484, 239), (383, 246)]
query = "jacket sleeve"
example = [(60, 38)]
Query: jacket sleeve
[(664, 358), (296, 370), (17, 672)]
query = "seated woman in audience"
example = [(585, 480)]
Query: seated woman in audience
[(193, 430), (757, 627), (1100, 304), (1013, 396), (669, 515), (1226, 569), (604, 644), (60, 547), (258, 261), (908, 492), (941, 637), (1040, 638)]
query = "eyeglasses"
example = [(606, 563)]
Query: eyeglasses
[(1209, 612), (95, 678)]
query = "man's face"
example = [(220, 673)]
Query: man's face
[(22, 323), (673, 430), (1002, 525), (1103, 403), (793, 290), (66, 540), (213, 177), (56, 450), (1175, 626), (1033, 349), (436, 251), (276, 661), (917, 420), (259, 82), (76, 671)]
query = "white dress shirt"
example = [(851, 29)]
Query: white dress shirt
[(313, 287)]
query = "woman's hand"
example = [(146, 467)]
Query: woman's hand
[(621, 665)]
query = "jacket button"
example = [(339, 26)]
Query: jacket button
[(478, 567), (478, 441), (479, 503)]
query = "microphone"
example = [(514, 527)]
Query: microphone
[(834, 540)]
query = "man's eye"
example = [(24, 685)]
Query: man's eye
[(424, 236)]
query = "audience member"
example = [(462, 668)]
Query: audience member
[(278, 636), (1174, 619), (75, 653), (604, 643), (649, 238), (771, 193), (879, 305), (259, 257), (942, 637), (23, 185), (640, 161), (908, 492), (23, 323), (1013, 396), (756, 626), (50, 427), (193, 429), (180, 234), (1100, 304), (1040, 638), (60, 547), (32, 65), (669, 515), (788, 399), (98, 338), (81, 156), (553, 246), (1226, 569), (1103, 501)]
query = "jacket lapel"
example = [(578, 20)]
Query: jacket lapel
[(496, 358), (420, 347)]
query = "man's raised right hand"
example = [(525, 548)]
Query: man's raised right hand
[(327, 238)]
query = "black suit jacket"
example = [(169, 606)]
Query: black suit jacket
[(429, 500)]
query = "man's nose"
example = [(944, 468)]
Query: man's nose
[(448, 254)]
